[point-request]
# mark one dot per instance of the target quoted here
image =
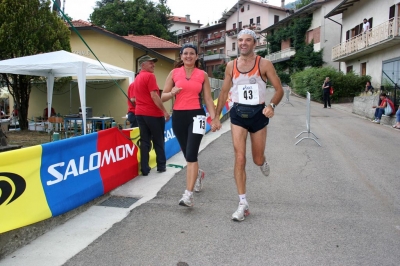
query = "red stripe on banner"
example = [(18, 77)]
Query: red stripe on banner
[(119, 161)]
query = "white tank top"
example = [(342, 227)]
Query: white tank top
[(248, 88)]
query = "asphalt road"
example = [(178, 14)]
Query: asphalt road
[(338, 204)]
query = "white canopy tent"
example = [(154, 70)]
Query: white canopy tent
[(63, 64)]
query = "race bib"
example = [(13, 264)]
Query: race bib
[(248, 94), (199, 124)]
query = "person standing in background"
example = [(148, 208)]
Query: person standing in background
[(325, 92), (46, 113), (131, 106), (366, 25), (150, 115)]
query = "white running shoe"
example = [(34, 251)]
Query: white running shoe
[(199, 184), (241, 212), (186, 200), (265, 168)]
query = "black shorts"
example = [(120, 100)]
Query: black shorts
[(182, 124), (254, 123)]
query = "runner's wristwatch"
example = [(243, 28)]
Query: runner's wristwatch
[(272, 105)]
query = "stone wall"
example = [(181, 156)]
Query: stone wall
[(362, 105)]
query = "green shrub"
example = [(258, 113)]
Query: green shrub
[(311, 80)]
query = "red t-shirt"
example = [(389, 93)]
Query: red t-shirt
[(131, 107), (189, 98), (145, 83), (390, 103)]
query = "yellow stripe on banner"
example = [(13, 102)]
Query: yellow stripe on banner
[(21, 187), (135, 136)]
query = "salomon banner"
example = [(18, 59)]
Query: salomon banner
[(39, 182), (47, 180)]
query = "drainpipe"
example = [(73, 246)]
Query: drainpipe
[(341, 29)]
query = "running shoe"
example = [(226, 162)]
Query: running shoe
[(265, 168), (199, 181), (241, 213), (186, 200)]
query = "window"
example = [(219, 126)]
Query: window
[(276, 19), (370, 23), (363, 69), (216, 34), (215, 51), (233, 46), (248, 7), (258, 19), (187, 28), (392, 10), (240, 25), (349, 69), (221, 50), (251, 21), (234, 25)]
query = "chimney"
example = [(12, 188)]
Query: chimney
[(283, 3), (188, 18)]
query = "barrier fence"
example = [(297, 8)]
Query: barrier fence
[(308, 124)]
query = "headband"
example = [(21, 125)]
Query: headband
[(188, 45), (249, 32)]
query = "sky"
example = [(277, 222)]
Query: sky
[(207, 11)]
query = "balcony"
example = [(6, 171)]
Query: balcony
[(232, 33), (253, 27), (195, 43), (379, 37), (213, 41), (214, 57), (280, 56)]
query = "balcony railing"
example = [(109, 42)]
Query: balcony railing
[(214, 57), (192, 43), (284, 54), (214, 41), (382, 32)]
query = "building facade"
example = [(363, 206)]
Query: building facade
[(324, 33), (210, 42), (375, 52), (181, 25), (252, 15)]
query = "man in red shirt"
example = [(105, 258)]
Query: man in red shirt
[(46, 113), (150, 115), (131, 107)]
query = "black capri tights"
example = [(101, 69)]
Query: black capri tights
[(182, 124)]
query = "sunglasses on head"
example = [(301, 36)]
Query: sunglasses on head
[(188, 46)]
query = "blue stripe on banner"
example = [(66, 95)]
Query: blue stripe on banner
[(70, 172), (171, 142)]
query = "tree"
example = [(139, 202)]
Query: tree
[(28, 27), (300, 3), (143, 17)]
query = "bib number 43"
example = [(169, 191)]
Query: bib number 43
[(248, 94)]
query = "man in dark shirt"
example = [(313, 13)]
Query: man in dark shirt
[(325, 89)]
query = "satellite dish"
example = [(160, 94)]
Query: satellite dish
[(57, 6)]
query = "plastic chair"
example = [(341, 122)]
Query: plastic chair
[(57, 124)]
